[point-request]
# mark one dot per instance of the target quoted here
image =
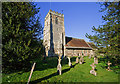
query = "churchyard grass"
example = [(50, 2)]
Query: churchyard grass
[(47, 72)]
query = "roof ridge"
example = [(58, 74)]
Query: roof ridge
[(75, 38)]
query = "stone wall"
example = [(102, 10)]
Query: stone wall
[(77, 52)]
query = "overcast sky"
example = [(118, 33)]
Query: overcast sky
[(79, 17)]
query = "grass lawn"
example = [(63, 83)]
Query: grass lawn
[(47, 72)]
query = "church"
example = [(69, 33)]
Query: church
[(57, 44)]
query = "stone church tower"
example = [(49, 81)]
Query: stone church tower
[(54, 34)]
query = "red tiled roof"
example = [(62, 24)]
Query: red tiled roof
[(76, 43)]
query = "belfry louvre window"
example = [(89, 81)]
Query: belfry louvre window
[(56, 20)]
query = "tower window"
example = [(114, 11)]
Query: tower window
[(56, 20)]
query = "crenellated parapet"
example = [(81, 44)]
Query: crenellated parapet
[(54, 13)]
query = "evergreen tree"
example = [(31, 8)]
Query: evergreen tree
[(107, 35), (21, 34)]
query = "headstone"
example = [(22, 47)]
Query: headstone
[(69, 63), (93, 72), (89, 56), (93, 69), (81, 60), (109, 66), (77, 60), (59, 67), (95, 60)]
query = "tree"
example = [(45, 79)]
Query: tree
[(21, 34), (107, 35)]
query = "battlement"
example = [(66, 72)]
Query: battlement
[(56, 13)]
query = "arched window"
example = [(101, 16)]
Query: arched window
[(56, 20)]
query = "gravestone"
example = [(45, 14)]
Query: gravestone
[(93, 69), (89, 56), (59, 67), (69, 62), (109, 66), (77, 60), (81, 60), (79, 54), (95, 60)]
